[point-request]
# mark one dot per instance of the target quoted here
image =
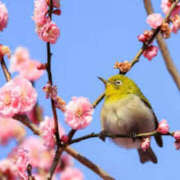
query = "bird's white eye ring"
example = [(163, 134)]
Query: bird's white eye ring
[(118, 82)]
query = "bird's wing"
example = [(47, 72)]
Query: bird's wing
[(157, 137)]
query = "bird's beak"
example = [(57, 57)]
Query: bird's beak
[(103, 80)]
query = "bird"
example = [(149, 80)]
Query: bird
[(127, 111)]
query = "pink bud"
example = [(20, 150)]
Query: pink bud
[(145, 144), (150, 52), (163, 127), (154, 20), (177, 135), (65, 138), (177, 145)]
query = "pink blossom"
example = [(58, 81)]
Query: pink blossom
[(177, 135), (9, 99), (40, 11), (28, 95), (17, 96), (145, 36), (166, 5), (22, 162), (150, 52), (78, 114), (22, 63), (3, 16), (175, 24), (10, 128), (20, 56), (145, 144), (47, 132), (177, 145), (71, 173), (56, 3), (64, 138), (163, 127), (154, 20), (30, 70), (38, 154), (49, 32), (8, 170)]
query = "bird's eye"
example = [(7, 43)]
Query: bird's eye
[(118, 82)]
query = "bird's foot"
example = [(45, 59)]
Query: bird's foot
[(102, 135), (132, 135)]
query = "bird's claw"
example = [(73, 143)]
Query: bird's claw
[(133, 136), (102, 135)]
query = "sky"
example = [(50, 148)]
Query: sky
[(94, 35)]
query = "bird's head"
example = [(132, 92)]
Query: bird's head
[(119, 86)]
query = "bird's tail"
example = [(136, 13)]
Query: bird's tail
[(147, 155)]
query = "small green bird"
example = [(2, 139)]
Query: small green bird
[(127, 111)]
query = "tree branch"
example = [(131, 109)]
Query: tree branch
[(164, 49), (88, 163)]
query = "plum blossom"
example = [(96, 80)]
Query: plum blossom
[(8, 170), (150, 52), (20, 56), (27, 68), (38, 154), (145, 36), (176, 135), (163, 127), (10, 128), (78, 114), (71, 173), (175, 24), (145, 144), (166, 5), (17, 96), (154, 20), (47, 132), (22, 162), (3, 16), (40, 11), (49, 32)]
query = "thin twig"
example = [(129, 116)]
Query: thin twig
[(25, 120), (164, 49), (98, 100), (5, 70), (88, 163), (113, 136)]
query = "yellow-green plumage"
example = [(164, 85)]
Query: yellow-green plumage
[(126, 111)]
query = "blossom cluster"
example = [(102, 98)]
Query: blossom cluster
[(163, 129), (3, 16), (155, 21), (46, 29), (22, 63), (17, 96)]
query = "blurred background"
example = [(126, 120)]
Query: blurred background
[(94, 35)]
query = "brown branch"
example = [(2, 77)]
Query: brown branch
[(164, 49), (98, 100), (5, 70), (25, 120), (88, 163), (103, 135)]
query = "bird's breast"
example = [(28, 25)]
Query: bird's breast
[(126, 116)]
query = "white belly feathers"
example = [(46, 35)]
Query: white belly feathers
[(127, 116)]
